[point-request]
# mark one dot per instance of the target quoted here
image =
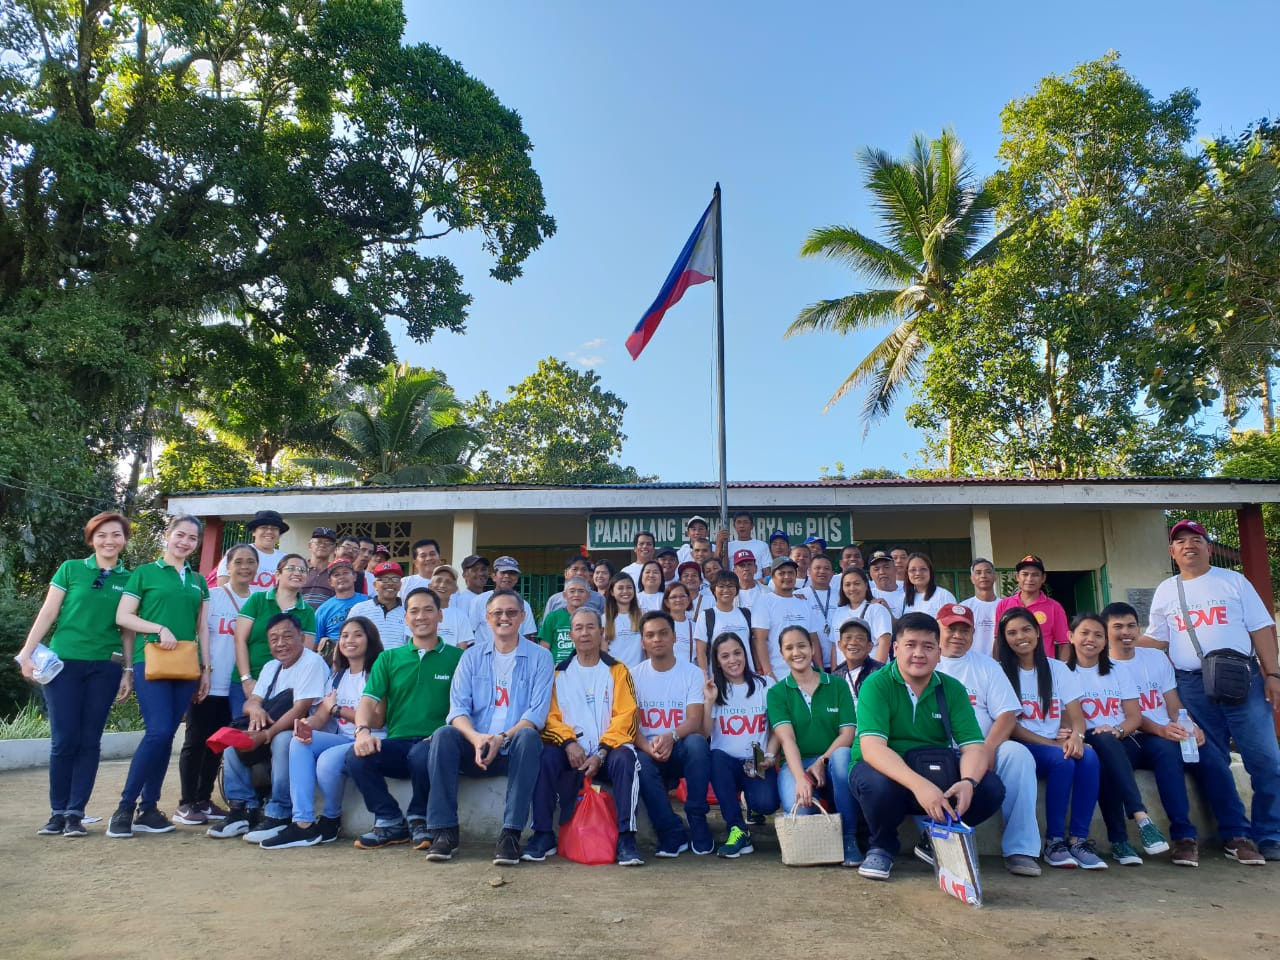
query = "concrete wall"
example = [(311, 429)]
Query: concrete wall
[(1137, 548)]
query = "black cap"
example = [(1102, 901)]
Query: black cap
[(474, 560), (878, 557), (665, 552), (324, 533), (267, 518), (1030, 560), (780, 562)]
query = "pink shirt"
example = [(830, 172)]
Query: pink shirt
[(1048, 613)]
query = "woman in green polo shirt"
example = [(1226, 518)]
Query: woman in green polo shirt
[(252, 650), (812, 714), (82, 599), (164, 602)]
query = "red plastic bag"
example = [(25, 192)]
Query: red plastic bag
[(225, 737), (591, 835)]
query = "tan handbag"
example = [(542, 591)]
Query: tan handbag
[(180, 663), (811, 840)]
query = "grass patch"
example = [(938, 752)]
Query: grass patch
[(32, 722)]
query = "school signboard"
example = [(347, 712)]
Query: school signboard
[(617, 531)]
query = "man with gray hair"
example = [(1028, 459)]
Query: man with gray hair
[(554, 632), (576, 566)]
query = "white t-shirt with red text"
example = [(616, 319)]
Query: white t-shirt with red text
[(984, 624), (1152, 675), (1033, 716), (664, 696), (1223, 608), (773, 613), (990, 691), (268, 565), (741, 722), (224, 606), (1102, 697)]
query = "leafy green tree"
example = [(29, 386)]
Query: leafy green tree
[(866, 473), (555, 426), (409, 430), (934, 214), (1039, 357), (181, 177)]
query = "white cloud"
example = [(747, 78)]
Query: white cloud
[(595, 344), (591, 360)]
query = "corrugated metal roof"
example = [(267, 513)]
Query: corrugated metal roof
[(746, 484)]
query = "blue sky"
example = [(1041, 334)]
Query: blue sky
[(636, 110)]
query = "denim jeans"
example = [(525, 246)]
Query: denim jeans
[(1118, 793), (238, 783), (1064, 779), (163, 704), (690, 758), (78, 699), (323, 761), (1252, 726), (559, 783), (197, 764), (1218, 785), (838, 789), (1016, 769), (728, 779), (406, 758), (886, 803), (1164, 758), (452, 755)]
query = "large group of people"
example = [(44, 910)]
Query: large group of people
[(754, 675)]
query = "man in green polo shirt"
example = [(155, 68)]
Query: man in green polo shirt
[(408, 691), (898, 711)]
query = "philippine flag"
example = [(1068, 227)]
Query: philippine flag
[(696, 264)]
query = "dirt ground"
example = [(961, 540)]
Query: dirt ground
[(183, 895)]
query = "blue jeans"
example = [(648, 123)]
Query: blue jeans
[(838, 788), (1065, 779), (1016, 769), (886, 803), (1214, 777), (404, 758), (237, 783), (1252, 726), (690, 758), (163, 704), (1118, 793), (1164, 758), (322, 761), (728, 778), (452, 755), (79, 699)]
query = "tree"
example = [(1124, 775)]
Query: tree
[(866, 473), (1039, 357), (409, 430), (934, 213), (178, 177), (555, 426)]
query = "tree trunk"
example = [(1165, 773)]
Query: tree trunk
[(951, 447), (1268, 404), (141, 450)]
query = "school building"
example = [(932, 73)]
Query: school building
[(1101, 539)]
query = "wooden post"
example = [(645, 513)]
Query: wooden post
[(1253, 552), (211, 545)]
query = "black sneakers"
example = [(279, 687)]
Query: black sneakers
[(444, 842), (266, 828), (73, 826), (328, 827), (54, 827), (507, 852), (121, 823), (152, 821), (291, 836)]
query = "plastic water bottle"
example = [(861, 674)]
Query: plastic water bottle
[(1190, 752)]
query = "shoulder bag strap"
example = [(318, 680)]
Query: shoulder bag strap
[(941, 698), (711, 625), (1186, 617)]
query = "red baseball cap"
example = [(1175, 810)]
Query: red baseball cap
[(743, 556), (1187, 526), (955, 613), (385, 568)]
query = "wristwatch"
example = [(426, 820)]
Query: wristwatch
[(1274, 676), (602, 752), (675, 736), (360, 727), (971, 780), (506, 740)]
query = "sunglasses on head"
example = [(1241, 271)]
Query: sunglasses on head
[(100, 579)]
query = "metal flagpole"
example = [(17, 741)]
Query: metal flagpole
[(720, 430)]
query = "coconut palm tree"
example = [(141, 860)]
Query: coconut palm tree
[(408, 430), (934, 212)]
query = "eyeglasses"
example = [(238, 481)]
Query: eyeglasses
[(100, 579), (500, 615), (294, 568), (387, 578)]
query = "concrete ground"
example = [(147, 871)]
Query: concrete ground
[(183, 895)]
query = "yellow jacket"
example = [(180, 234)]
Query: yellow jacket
[(624, 723)]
